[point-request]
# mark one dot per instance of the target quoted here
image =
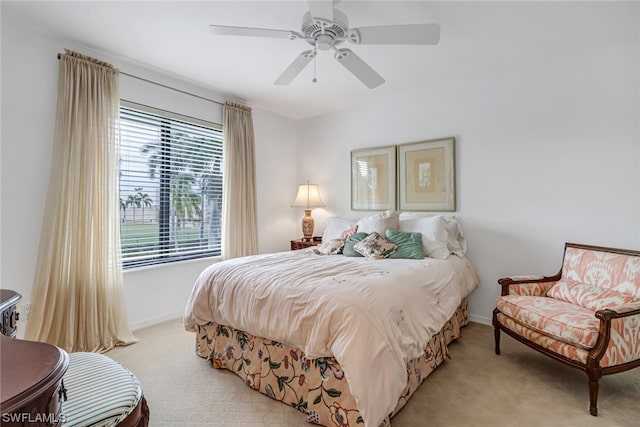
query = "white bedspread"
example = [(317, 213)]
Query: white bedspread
[(372, 315)]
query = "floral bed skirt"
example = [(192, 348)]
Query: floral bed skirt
[(316, 387)]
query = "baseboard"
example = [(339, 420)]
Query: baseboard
[(481, 319), (155, 320)]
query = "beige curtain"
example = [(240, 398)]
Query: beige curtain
[(239, 216), (78, 301)]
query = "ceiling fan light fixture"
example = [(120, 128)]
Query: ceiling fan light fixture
[(324, 42)]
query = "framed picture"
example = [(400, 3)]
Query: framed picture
[(373, 179), (426, 175)]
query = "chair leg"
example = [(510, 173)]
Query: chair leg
[(496, 333), (593, 396)]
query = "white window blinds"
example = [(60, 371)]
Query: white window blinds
[(170, 186)]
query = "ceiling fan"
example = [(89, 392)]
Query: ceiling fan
[(326, 28)]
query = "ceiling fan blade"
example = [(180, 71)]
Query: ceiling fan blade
[(359, 68), (294, 68), (396, 34), (322, 9), (248, 31)]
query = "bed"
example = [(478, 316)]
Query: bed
[(346, 340)]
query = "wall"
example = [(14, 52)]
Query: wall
[(29, 91), (544, 155)]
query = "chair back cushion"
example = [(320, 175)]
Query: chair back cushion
[(606, 270), (589, 296)]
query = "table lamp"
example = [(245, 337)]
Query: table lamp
[(308, 197)]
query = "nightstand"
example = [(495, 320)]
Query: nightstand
[(305, 243), (8, 301), (31, 379)]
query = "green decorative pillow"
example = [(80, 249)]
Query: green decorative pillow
[(409, 244), (347, 249)]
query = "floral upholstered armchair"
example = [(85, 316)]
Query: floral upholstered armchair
[(587, 315)]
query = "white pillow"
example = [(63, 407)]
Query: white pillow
[(456, 243), (434, 233), (378, 223), (335, 226)]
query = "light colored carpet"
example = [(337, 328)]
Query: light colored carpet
[(475, 387)]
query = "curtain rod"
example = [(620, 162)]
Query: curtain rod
[(165, 86)]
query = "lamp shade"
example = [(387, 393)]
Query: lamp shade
[(308, 197)]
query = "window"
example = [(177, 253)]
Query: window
[(170, 186)]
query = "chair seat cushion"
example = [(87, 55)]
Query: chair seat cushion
[(569, 351), (100, 391), (589, 296), (561, 320)]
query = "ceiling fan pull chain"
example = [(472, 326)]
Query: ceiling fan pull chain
[(315, 51)]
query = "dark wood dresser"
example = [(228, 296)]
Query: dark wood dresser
[(31, 385)]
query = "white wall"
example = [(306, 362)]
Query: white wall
[(276, 150), (29, 87), (544, 155), (29, 91)]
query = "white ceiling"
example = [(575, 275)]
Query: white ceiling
[(477, 38)]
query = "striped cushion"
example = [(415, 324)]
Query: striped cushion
[(100, 391)]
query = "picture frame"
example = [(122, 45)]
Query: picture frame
[(373, 179), (426, 175)]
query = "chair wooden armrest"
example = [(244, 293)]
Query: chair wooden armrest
[(515, 281), (606, 316), (618, 312)]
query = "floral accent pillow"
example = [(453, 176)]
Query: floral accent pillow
[(348, 250), (374, 246), (331, 247)]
